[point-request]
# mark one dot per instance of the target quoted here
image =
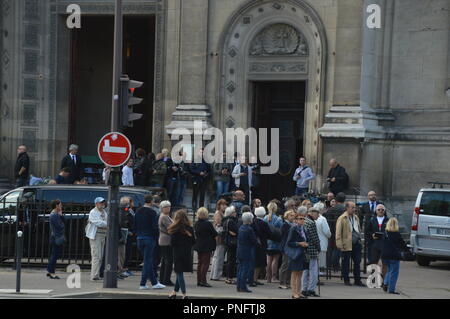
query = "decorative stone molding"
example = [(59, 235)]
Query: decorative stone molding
[(282, 41), (279, 39), (186, 115), (353, 122)]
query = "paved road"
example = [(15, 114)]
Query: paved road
[(415, 282)]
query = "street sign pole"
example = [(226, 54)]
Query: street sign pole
[(112, 241)]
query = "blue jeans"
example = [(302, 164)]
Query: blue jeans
[(179, 283), (180, 191), (355, 255), (301, 190), (172, 185), (221, 187), (244, 271), (392, 275), (146, 246), (53, 257)]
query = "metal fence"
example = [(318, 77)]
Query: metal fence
[(33, 221)]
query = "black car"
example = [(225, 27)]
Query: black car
[(28, 209)]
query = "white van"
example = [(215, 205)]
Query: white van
[(430, 230)]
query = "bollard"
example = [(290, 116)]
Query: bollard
[(19, 251)]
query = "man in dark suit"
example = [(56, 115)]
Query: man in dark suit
[(333, 254), (337, 178), (200, 171), (73, 161), (22, 167), (369, 211)]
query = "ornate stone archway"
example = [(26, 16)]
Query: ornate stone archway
[(276, 41)]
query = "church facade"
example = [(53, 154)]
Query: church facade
[(376, 98)]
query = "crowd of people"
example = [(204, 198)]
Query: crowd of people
[(289, 243)]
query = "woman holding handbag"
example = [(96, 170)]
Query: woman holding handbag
[(57, 238), (296, 249), (393, 246)]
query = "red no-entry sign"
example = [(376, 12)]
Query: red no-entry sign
[(114, 149)]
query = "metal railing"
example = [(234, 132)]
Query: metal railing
[(33, 219)]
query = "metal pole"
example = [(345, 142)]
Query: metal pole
[(112, 240), (117, 67), (110, 278), (19, 250)]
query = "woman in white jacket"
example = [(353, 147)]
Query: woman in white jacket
[(96, 232), (323, 230)]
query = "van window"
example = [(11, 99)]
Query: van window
[(435, 203), (72, 196), (9, 203)]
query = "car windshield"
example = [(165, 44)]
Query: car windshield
[(435, 203)]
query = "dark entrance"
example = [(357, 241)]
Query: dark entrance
[(91, 85), (281, 105)]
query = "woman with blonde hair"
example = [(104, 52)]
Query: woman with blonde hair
[(182, 239), (393, 245), (273, 251), (204, 245), (307, 203)]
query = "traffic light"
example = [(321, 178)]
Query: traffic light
[(128, 100)]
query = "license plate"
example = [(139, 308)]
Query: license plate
[(440, 231)]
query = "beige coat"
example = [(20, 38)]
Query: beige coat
[(344, 232)]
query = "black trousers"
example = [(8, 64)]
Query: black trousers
[(166, 264), (231, 261), (199, 189)]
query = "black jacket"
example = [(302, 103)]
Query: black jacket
[(196, 168), (332, 216), (141, 171), (230, 224), (340, 184), (182, 250), (393, 244), (76, 170), (366, 209), (146, 223), (206, 236), (372, 228), (22, 161), (262, 231)]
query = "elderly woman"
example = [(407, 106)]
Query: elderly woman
[(263, 233), (285, 274), (164, 243), (245, 252), (324, 233), (296, 251), (230, 233), (204, 245), (219, 253)]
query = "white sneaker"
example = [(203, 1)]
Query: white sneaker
[(159, 286), (144, 288)]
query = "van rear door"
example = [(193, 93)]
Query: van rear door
[(434, 221)]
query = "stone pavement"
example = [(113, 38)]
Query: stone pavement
[(415, 282)]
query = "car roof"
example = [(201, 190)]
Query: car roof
[(445, 190), (87, 187)]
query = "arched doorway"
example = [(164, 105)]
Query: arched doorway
[(272, 49)]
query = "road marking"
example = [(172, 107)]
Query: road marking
[(27, 291)]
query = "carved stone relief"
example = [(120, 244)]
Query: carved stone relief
[(279, 39)]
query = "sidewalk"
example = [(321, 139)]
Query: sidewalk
[(414, 282)]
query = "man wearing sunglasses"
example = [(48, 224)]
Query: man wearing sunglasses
[(375, 235)]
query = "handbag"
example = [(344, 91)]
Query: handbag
[(293, 253)]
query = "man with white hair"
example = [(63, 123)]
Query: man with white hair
[(245, 252), (73, 161), (263, 233), (324, 232), (230, 233)]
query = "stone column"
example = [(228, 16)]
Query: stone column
[(193, 66)]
